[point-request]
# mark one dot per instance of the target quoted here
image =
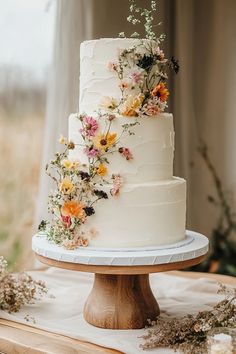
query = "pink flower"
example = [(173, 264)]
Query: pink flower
[(125, 152), (90, 126), (153, 107), (66, 220), (117, 183), (91, 151), (136, 76)]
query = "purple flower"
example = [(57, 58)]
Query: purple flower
[(90, 126), (91, 151)]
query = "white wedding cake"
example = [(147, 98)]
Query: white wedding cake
[(122, 138), (114, 184)]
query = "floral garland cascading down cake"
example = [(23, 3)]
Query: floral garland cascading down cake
[(125, 143)]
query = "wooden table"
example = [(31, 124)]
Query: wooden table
[(16, 338)]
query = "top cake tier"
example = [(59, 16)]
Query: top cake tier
[(96, 80)]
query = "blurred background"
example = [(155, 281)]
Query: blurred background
[(39, 88), (26, 40)]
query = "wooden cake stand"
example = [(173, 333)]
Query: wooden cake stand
[(121, 297)]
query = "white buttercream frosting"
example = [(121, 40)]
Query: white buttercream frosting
[(151, 207), (96, 81), (145, 214), (152, 147)]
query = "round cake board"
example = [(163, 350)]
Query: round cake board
[(121, 297)]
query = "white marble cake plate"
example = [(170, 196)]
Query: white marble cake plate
[(195, 245)]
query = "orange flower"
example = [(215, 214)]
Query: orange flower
[(104, 141), (161, 92), (73, 208), (123, 84), (84, 242), (102, 170)]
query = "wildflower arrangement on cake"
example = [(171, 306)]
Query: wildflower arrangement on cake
[(78, 186), (141, 71)]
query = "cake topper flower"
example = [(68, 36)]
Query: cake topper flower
[(141, 69)]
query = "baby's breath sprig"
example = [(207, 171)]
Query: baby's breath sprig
[(18, 290), (188, 334), (137, 13)]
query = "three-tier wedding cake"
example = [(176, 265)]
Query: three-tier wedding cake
[(114, 180), (150, 207)]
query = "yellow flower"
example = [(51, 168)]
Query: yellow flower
[(161, 92), (132, 104), (104, 141), (108, 102), (73, 208), (102, 170), (62, 140), (69, 164), (66, 186)]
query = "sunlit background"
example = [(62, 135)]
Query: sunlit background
[(26, 40)]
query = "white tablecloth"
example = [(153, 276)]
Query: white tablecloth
[(63, 314)]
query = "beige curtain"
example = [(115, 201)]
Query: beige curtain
[(203, 38), (201, 34)]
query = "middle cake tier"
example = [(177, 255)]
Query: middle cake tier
[(151, 145)]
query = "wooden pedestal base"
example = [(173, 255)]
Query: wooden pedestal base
[(121, 302), (121, 297)]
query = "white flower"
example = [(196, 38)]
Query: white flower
[(108, 102)]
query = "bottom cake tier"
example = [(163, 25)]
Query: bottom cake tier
[(150, 214)]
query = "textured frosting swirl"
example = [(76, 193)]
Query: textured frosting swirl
[(96, 81), (150, 214), (152, 147)]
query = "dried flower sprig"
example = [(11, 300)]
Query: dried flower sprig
[(18, 290), (188, 334), (142, 68), (136, 15)]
